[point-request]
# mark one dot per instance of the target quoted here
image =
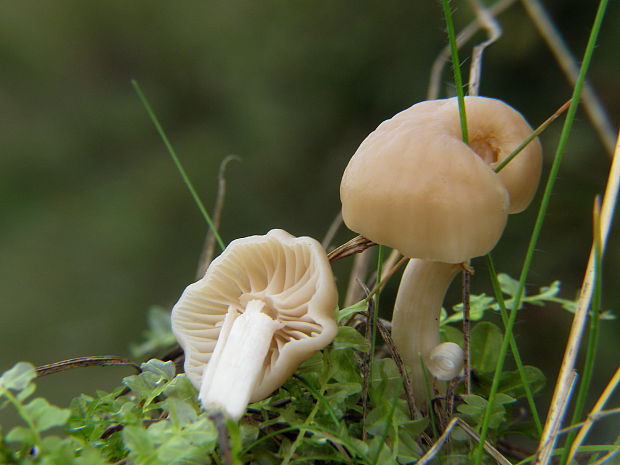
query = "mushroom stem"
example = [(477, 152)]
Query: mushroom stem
[(238, 359), (415, 322)]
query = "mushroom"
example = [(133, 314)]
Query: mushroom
[(263, 306), (414, 185)]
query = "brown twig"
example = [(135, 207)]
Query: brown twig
[(466, 34), (89, 361), (209, 245), (366, 365), (494, 32), (222, 437), (570, 66), (331, 231), (389, 342), (356, 245), (358, 274)]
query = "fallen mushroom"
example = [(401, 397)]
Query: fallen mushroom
[(264, 305), (414, 185)]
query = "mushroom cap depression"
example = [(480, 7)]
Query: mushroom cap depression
[(294, 279), (414, 185)]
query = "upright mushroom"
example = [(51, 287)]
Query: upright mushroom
[(264, 305), (414, 185)]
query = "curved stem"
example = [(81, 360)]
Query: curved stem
[(415, 323), (238, 359)]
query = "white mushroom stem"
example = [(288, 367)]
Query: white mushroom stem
[(415, 324), (238, 359)]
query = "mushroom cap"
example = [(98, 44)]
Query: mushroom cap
[(414, 185), (291, 275)]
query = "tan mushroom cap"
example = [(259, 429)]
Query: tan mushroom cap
[(414, 185), (291, 275)]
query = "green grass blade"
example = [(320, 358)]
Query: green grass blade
[(513, 344), (456, 67), (177, 162), (559, 154)]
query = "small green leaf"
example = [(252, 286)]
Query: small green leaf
[(385, 381), (22, 435), (165, 370), (343, 366), (138, 442), (508, 285), (486, 341), (347, 312), (46, 416), (18, 377), (350, 338), (182, 388), (181, 413), (511, 384), (452, 334)]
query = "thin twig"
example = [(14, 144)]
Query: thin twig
[(389, 342), (579, 320), (592, 104), (222, 436), (208, 248), (456, 421), (356, 245), (89, 361), (331, 231), (494, 32), (465, 35), (367, 363), (359, 271)]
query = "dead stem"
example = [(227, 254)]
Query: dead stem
[(356, 245), (592, 104), (494, 32), (389, 342), (559, 403), (355, 292), (209, 245), (222, 437), (367, 363), (331, 231), (433, 451), (89, 361), (466, 34)]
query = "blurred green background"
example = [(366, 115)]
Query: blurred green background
[(96, 225)]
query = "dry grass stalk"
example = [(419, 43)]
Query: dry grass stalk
[(602, 400), (559, 402), (592, 104), (456, 421), (356, 245), (465, 35), (208, 248), (359, 271), (331, 231), (494, 32)]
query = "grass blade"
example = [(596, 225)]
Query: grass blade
[(559, 154), (177, 162), (456, 67)]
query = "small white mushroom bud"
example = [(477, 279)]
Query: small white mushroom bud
[(445, 362)]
